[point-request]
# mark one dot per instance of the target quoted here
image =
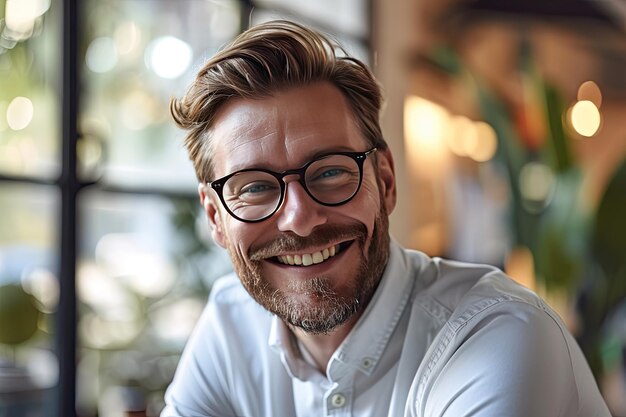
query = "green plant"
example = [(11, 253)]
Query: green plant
[(19, 315)]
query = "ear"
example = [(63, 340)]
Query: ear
[(387, 178), (213, 214)]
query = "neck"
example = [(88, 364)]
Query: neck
[(322, 346)]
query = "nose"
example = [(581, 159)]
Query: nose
[(299, 213)]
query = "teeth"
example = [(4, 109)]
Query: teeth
[(318, 257), (307, 259)]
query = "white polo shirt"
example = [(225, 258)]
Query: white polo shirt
[(439, 339)]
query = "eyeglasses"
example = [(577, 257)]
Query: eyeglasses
[(253, 195)]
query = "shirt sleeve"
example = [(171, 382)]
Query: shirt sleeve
[(516, 363)]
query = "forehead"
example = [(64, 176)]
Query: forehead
[(283, 130)]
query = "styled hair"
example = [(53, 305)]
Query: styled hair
[(262, 61)]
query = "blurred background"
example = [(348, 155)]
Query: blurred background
[(507, 121)]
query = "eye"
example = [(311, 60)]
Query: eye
[(328, 173), (331, 172), (256, 188), (260, 192)]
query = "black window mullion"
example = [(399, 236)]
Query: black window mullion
[(69, 187)]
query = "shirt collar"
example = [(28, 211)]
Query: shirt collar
[(282, 341), (363, 347)]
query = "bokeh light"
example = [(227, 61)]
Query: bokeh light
[(20, 15), (20, 113), (463, 135), (589, 90), (43, 367), (168, 57), (89, 151), (44, 286), (101, 55), (102, 332), (585, 118), (426, 130), (98, 289), (536, 182), (144, 270), (486, 144), (127, 37), (425, 122), (475, 140)]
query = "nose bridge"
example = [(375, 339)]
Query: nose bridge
[(299, 213), (294, 175)]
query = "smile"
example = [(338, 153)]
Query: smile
[(307, 259)]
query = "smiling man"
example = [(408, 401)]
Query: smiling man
[(325, 314)]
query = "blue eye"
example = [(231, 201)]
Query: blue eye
[(257, 188), (331, 173)]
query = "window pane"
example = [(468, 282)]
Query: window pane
[(144, 273), (138, 56), (29, 294), (30, 62), (347, 16)]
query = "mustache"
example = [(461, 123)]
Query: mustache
[(322, 235)]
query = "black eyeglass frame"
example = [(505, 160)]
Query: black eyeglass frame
[(359, 158)]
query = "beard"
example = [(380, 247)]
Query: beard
[(325, 306)]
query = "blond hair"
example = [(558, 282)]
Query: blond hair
[(263, 60)]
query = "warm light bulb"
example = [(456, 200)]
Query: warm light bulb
[(462, 135), (426, 130), (425, 122), (585, 118), (486, 144)]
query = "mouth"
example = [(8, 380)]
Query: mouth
[(311, 258)]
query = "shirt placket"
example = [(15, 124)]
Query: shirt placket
[(338, 401), (339, 397)]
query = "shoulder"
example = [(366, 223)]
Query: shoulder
[(499, 349), (475, 303), (222, 355), (454, 286), (509, 358)]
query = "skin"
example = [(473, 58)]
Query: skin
[(282, 132)]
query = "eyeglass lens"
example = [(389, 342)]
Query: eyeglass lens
[(252, 195)]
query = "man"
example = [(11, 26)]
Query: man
[(325, 315)]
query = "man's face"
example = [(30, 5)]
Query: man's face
[(283, 132)]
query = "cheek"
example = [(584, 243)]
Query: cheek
[(236, 240), (370, 197), (365, 207), (242, 236)]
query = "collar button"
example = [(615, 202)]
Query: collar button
[(367, 363)]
